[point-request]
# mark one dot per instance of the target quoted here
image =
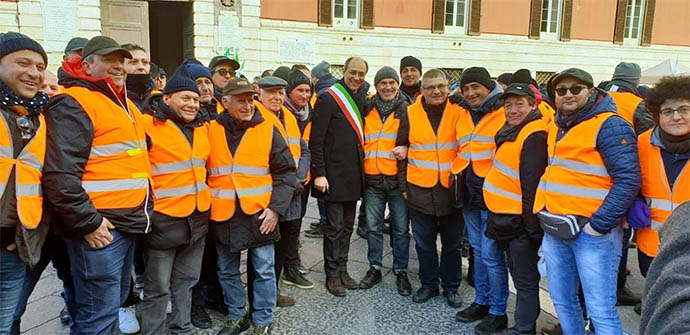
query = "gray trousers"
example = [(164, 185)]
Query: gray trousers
[(169, 276)]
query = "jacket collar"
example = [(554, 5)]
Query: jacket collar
[(74, 75), (600, 102)]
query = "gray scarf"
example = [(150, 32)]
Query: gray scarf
[(385, 108)]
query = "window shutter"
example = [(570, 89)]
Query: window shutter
[(535, 20), (475, 17), (648, 23), (619, 29), (438, 17), (325, 13), (367, 14), (566, 20)]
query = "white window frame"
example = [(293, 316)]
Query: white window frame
[(628, 30), (453, 26), (549, 19), (344, 21)]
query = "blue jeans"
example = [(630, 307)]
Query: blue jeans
[(593, 262), (265, 291), (375, 207), (12, 272), (322, 211), (101, 280), (425, 230), (490, 270)]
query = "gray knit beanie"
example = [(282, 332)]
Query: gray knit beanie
[(386, 72)]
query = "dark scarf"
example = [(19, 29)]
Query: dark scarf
[(509, 134), (22, 106), (139, 83), (566, 121), (385, 108), (301, 114), (413, 90), (674, 144)]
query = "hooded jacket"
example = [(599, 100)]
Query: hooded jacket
[(68, 145)]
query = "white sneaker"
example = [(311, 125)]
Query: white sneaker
[(168, 309), (128, 320)]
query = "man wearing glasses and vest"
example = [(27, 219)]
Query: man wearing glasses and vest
[(591, 181), (252, 179), (97, 176)]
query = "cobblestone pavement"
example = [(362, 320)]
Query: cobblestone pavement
[(379, 310)]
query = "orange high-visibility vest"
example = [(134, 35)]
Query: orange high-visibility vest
[(118, 169), (28, 171), (431, 155), (502, 190), (482, 146), (305, 137), (245, 175), (178, 168), (576, 180), (219, 107), (379, 141), (290, 131), (547, 113), (626, 104), (661, 198), (312, 100)]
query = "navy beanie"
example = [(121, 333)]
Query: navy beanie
[(196, 69), (12, 41), (282, 72), (181, 80), (478, 75)]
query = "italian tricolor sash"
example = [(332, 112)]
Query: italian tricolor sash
[(349, 108)]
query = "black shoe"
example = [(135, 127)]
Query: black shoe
[(64, 316), (453, 298), (372, 278), (473, 313), (315, 232), (552, 330), (293, 277), (638, 309), (403, 284), (625, 297), (361, 232), (262, 330), (491, 323), (424, 294), (234, 327), (200, 317)]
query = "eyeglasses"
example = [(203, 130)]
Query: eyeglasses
[(575, 90), (683, 111), (439, 87), (26, 127), (225, 72)]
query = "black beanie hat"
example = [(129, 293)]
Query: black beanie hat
[(410, 61), (505, 78), (296, 78), (479, 75), (282, 72), (181, 80), (12, 41), (521, 76)]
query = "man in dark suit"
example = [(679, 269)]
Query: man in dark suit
[(337, 155)]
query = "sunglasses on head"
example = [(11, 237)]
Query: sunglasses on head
[(575, 90), (26, 127)]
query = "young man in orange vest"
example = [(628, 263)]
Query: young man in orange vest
[(436, 141), (664, 152), (385, 127), (178, 145), (481, 97), (592, 179), (411, 75), (22, 150), (252, 179), (509, 190), (98, 180)]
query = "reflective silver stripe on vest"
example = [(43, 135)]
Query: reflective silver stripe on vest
[(380, 154), (662, 204), (30, 160), (445, 166), (573, 190), (656, 226), (220, 170), (114, 185), (466, 155), (447, 145), (200, 162), (250, 170), (591, 169), (423, 163), (464, 139), (159, 169), (428, 146), (6, 151), (491, 188), (26, 190), (482, 155), (254, 190), (383, 134), (505, 169), (2, 188), (222, 194), (292, 141), (482, 138), (180, 191), (112, 149)]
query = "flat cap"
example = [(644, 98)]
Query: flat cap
[(236, 86), (270, 82), (579, 75)]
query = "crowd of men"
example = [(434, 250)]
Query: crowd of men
[(112, 167)]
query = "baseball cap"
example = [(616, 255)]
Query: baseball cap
[(519, 89), (223, 59), (103, 45), (76, 43), (236, 86)]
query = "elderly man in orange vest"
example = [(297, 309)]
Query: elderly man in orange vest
[(97, 176)]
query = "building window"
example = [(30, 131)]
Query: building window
[(542, 77), (550, 16), (346, 13), (633, 19), (456, 11)]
